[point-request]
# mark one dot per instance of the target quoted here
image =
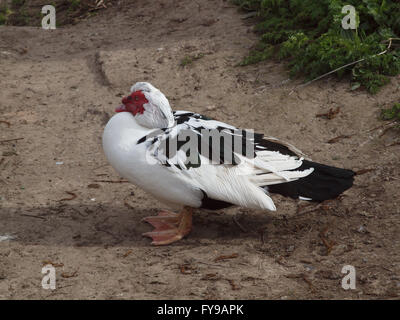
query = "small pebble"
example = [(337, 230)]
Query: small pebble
[(6, 237), (290, 248), (361, 229), (93, 186), (308, 268), (211, 107)]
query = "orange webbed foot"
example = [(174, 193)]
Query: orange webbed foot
[(169, 227)]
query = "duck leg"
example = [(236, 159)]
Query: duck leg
[(169, 226)]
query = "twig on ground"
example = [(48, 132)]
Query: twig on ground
[(234, 218), (186, 268), (233, 284), (69, 275), (32, 216), (9, 140), (231, 256), (328, 244), (6, 122), (111, 181), (68, 199), (210, 276), (330, 114), (345, 66), (362, 171), (56, 265), (336, 139), (382, 126), (393, 144), (127, 253)]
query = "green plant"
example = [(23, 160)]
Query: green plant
[(4, 14), (74, 4), (308, 35), (21, 17), (391, 113), (187, 60)]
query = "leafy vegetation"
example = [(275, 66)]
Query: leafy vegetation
[(14, 13), (74, 4), (392, 113), (4, 13), (309, 35), (187, 60)]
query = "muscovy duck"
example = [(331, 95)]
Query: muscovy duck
[(169, 155)]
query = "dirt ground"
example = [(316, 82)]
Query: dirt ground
[(59, 205)]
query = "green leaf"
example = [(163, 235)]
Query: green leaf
[(355, 86)]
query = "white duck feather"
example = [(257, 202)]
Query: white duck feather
[(133, 144)]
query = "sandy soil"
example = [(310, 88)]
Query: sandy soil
[(59, 88)]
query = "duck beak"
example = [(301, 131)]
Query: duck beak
[(120, 108)]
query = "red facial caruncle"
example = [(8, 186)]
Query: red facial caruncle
[(133, 103)]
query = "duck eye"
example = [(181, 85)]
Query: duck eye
[(129, 98), (136, 98)]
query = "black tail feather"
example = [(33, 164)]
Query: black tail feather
[(324, 183)]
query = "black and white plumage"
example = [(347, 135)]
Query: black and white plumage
[(137, 143)]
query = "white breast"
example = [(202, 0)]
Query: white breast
[(129, 159)]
